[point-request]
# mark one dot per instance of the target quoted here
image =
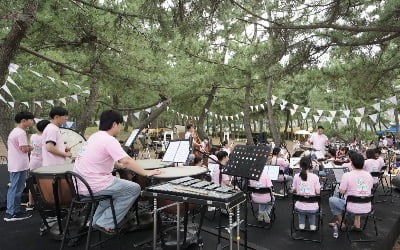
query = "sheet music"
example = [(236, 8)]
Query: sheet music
[(132, 137), (177, 151), (294, 161), (272, 171), (319, 154), (328, 164)]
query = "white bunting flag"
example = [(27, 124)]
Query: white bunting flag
[(393, 100), (284, 102), (390, 113), (346, 113), (292, 111), (361, 111), (125, 117), (63, 100), (7, 90), (333, 113), (273, 98), (205, 110), (330, 119), (256, 108), (51, 78), (237, 116), (148, 110), (319, 111), (358, 120), (273, 102), (79, 87), (303, 115), (86, 91), (344, 120), (373, 117), (2, 98), (137, 115), (242, 113), (37, 120), (11, 104), (231, 117), (39, 103), (377, 106), (65, 83), (10, 80), (282, 106), (216, 116), (36, 73), (295, 106), (159, 105), (182, 115), (167, 108), (262, 106), (26, 104), (13, 68), (221, 117), (97, 123), (307, 110), (226, 118), (251, 107), (51, 102), (75, 97), (316, 118)]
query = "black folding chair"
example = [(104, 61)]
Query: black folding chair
[(371, 213), (282, 182), (272, 215), (294, 229), (90, 200)]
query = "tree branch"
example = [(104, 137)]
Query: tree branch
[(162, 99), (32, 52)]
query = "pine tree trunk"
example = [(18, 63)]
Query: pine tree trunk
[(203, 115), (270, 114), (85, 117), (246, 117)]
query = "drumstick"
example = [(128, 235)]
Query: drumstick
[(76, 144), (191, 190)]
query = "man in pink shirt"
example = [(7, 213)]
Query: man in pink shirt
[(54, 151), (95, 164), (319, 140), (18, 164), (358, 182)]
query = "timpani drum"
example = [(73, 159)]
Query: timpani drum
[(171, 173)]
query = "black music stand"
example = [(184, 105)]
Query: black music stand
[(247, 162)]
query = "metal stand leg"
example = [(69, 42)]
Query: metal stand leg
[(155, 224), (178, 241), (230, 230), (238, 226)]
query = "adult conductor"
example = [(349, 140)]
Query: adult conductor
[(95, 164)]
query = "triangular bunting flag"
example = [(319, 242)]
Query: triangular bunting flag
[(97, 123), (262, 106), (273, 98), (358, 120), (148, 110), (373, 117), (210, 113), (10, 80), (220, 117), (159, 105), (167, 108), (7, 90), (36, 73), (377, 106), (65, 83), (319, 111), (227, 118), (333, 113), (256, 107), (292, 111), (86, 91), (216, 116), (2, 98), (79, 87), (63, 100), (137, 115), (251, 107), (237, 116), (295, 106), (51, 78), (282, 106), (303, 115), (330, 119), (26, 104), (125, 117), (316, 118), (284, 102), (13, 68), (344, 120), (51, 102), (231, 117), (272, 102), (38, 103), (11, 104), (37, 120), (307, 110), (242, 113), (346, 113), (361, 111), (75, 97), (393, 100)]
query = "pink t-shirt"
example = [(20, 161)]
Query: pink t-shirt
[(357, 183), (215, 177), (264, 181), (36, 153), (279, 161), (319, 141), (306, 188), (95, 162), (381, 161), (373, 165), (17, 160), (347, 165), (52, 134)]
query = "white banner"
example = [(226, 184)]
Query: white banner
[(316, 118), (346, 113), (344, 120), (39, 103), (63, 100), (75, 97), (361, 111), (11, 104), (10, 80), (333, 113), (358, 120), (26, 104), (51, 102), (392, 99), (320, 112), (373, 117), (377, 106)]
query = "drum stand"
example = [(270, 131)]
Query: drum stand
[(146, 153)]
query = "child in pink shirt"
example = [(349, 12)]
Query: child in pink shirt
[(306, 184), (278, 160), (265, 201), (372, 164), (18, 165), (216, 177)]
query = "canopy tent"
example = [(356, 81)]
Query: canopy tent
[(302, 132), (392, 129)]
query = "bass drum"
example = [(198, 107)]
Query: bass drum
[(74, 140)]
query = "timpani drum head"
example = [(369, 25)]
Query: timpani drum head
[(73, 139)]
